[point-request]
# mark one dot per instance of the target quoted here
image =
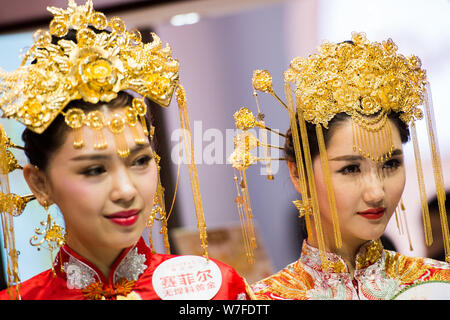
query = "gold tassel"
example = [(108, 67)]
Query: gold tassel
[(78, 141), (132, 121), (95, 120), (248, 210), (263, 134), (150, 221), (141, 108), (298, 155), (116, 125), (163, 214), (329, 186), (245, 216), (312, 190), (187, 135), (372, 138), (161, 206), (423, 195), (99, 139), (144, 125), (397, 221), (403, 215), (437, 170), (75, 119)]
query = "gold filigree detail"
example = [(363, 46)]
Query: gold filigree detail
[(14, 204), (304, 207), (262, 81), (52, 233), (361, 78), (94, 69), (244, 119), (76, 118), (100, 291), (369, 254)]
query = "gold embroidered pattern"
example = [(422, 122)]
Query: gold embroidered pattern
[(291, 283), (369, 254), (406, 269), (100, 291), (305, 279)]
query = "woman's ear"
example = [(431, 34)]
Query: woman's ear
[(38, 183), (293, 173)]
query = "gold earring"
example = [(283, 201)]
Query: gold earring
[(52, 233), (150, 221), (158, 209), (304, 208)]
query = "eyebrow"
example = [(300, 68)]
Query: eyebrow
[(106, 156), (351, 157)]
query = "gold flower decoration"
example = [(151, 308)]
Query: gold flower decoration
[(357, 78), (94, 68)]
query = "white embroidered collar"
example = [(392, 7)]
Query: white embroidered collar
[(80, 275)]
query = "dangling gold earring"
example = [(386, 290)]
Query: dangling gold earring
[(150, 221), (159, 211), (52, 233), (305, 210)]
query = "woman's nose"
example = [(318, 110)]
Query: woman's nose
[(123, 188), (373, 192)]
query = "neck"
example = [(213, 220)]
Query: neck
[(103, 258), (347, 251)]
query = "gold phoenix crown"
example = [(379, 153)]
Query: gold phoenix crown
[(359, 78), (367, 81), (94, 69)]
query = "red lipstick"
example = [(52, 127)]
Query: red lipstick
[(124, 218), (372, 214)]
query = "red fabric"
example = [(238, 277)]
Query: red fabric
[(47, 286)]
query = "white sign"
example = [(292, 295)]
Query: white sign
[(187, 278)]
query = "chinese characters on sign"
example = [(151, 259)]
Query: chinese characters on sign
[(187, 277)]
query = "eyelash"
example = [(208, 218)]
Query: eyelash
[(97, 170), (93, 171), (394, 164), (391, 164), (346, 170), (142, 161)]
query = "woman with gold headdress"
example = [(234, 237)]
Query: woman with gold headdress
[(352, 107), (90, 148)]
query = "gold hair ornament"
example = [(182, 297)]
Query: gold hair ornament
[(11, 205), (367, 81), (95, 69)]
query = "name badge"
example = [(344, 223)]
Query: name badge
[(187, 278)]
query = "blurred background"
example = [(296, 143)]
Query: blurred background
[(219, 44)]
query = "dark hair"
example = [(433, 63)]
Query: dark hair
[(433, 204), (327, 133)]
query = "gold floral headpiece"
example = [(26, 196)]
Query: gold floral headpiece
[(105, 59), (367, 81), (94, 68), (358, 78)]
